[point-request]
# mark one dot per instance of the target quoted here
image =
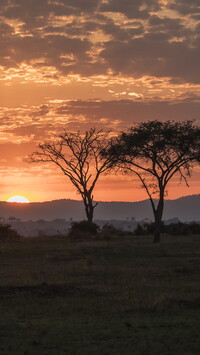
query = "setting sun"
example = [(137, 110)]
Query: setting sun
[(18, 199)]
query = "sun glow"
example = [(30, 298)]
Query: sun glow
[(18, 199)]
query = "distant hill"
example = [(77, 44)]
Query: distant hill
[(185, 208)]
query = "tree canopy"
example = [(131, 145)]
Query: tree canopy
[(79, 158)]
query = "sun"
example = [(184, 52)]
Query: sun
[(18, 199)]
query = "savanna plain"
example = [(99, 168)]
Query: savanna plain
[(100, 295)]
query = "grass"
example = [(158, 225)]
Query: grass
[(123, 295)]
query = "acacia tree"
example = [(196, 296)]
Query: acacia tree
[(79, 158), (155, 151)]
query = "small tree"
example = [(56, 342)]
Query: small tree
[(78, 156), (155, 151)]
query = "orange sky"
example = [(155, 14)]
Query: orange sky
[(76, 64)]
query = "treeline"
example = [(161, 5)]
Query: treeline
[(178, 228), (85, 230)]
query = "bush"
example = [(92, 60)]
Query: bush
[(140, 230), (83, 228), (181, 228), (146, 229), (178, 228), (7, 233), (110, 229)]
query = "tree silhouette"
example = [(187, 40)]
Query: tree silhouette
[(155, 151), (79, 158)]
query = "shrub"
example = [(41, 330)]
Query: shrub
[(178, 228), (7, 233), (109, 228), (147, 228), (140, 230), (195, 227), (83, 228), (181, 228)]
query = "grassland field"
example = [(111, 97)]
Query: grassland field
[(114, 296)]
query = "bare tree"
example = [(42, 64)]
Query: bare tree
[(79, 158), (155, 151)]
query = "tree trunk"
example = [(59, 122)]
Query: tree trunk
[(157, 228), (90, 214), (89, 209), (158, 218)]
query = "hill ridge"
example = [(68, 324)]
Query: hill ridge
[(186, 208)]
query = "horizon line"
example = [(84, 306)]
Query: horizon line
[(70, 199)]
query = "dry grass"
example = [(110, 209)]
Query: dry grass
[(100, 296)]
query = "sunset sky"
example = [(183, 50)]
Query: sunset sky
[(76, 64)]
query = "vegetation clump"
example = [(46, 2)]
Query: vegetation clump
[(109, 230), (83, 229), (176, 229), (7, 233), (181, 228)]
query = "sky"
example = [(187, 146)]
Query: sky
[(77, 64)]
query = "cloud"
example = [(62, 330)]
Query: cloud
[(122, 34), (154, 55), (35, 124), (173, 27), (6, 29), (27, 9), (185, 7), (129, 111), (132, 9), (51, 50), (22, 128), (91, 37)]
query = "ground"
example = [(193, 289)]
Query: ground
[(116, 295)]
